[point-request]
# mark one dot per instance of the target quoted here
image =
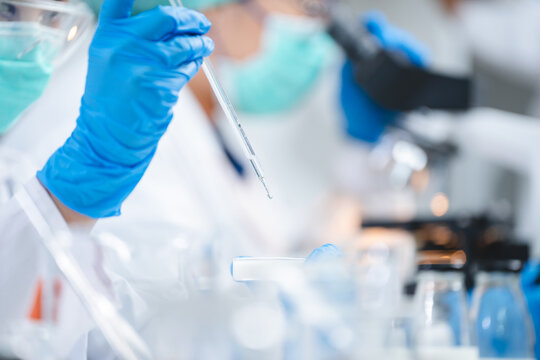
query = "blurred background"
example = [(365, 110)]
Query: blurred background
[(405, 132)]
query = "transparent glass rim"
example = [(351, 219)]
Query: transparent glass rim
[(73, 13), (72, 20)]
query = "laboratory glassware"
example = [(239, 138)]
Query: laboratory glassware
[(501, 323), (231, 115), (440, 324)]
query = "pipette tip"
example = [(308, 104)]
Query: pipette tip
[(268, 193)]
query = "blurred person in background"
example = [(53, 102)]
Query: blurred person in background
[(299, 105)]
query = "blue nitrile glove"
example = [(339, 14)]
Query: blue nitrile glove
[(365, 120), (532, 294), (137, 66)]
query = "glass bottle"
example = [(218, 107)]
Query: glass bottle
[(501, 322), (441, 326)]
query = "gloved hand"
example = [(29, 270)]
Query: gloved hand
[(366, 120), (137, 67), (531, 289)]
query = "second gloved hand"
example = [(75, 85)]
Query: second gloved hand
[(137, 67), (365, 120)]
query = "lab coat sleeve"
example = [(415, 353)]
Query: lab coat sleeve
[(21, 253)]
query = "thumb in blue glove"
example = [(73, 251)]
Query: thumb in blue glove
[(365, 120), (137, 67)]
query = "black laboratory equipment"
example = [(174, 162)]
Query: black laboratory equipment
[(501, 256), (466, 242), (392, 81)]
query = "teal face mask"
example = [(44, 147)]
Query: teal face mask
[(26, 54), (294, 52)]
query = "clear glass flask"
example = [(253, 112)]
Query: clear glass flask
[(440, 325)]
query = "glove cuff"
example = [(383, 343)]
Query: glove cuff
[(87, 185)]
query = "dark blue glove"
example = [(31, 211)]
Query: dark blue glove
[(365, 120), (137, 66)]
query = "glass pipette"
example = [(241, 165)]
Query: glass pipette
[(231, 115)]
